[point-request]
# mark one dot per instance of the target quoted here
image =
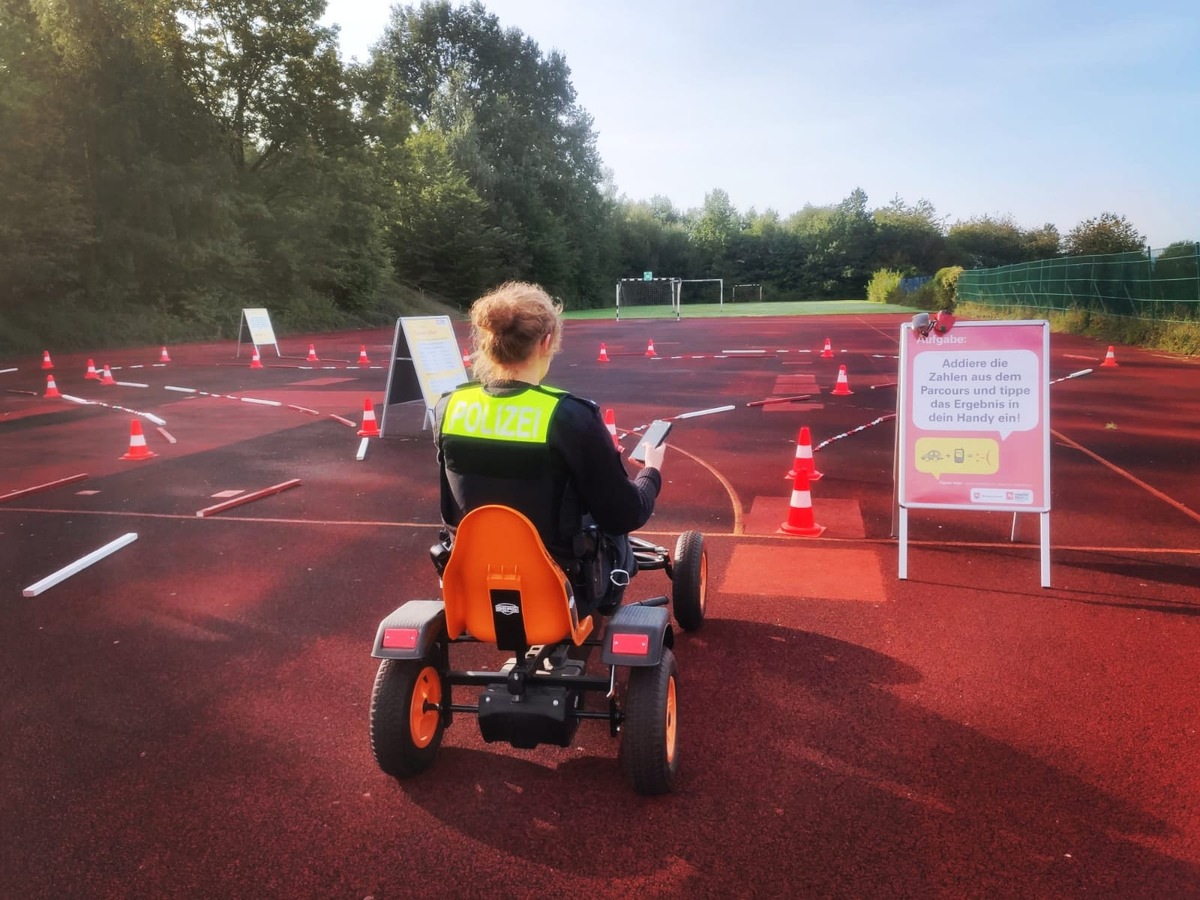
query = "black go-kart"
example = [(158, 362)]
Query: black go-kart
[(500, 586)]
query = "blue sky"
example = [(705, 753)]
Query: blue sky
[(1045, 112)]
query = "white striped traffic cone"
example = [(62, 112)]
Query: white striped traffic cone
[(312, 354), (1110, 359), (800, 520), (842, 388), (256, 360), (610, 422), (106, 378), (827, 353), (804, 457), (650, 351), (92, 374), (137, 443), (51, 389), (369, 426), (363, 360)]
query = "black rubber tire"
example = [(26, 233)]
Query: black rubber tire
[(399, 751), (689, 580), (650, 748)]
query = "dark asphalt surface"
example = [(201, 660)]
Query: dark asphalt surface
[(188, 717)]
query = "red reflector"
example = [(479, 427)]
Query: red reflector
[(400, 638), (631, 644)]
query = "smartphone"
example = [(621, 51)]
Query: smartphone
[(655, 435)]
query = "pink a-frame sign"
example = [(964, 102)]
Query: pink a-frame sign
[(974, 422)]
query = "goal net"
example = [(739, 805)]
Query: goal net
[(749, 292), (648, 298), (702, 292)]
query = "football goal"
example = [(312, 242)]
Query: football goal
[(748, 292), (649, 297)]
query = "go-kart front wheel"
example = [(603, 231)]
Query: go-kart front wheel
[(689, 580), (406, 719), (649, 748)]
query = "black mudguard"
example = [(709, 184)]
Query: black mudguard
[(427, 617), (621, 644)]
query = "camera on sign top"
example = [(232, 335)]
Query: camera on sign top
[(923, 323)]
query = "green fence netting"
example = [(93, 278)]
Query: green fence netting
[(1158, 284)]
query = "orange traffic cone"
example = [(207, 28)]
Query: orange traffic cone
[(46, 363), (603, 357), (256, 360), (466, 358), (312, 354), (827, 353), (92, 374), (1110, 359), (51, 389), (137, 443), (369, 428), (650, 351), (164, 357), (106, 378), (610, 422), (800, 514), (842, 388), (362, 356), (804, 457)]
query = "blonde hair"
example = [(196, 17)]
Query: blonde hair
[(506, 325)]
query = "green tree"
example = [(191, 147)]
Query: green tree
[(512, 123), (909, 238), (1107, 233), (985, 242)]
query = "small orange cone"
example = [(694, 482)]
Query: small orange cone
[(800, 514), (312, 354), (650, 351), (164, 357), (51, 389), (362, 356), (603, 357), (369, 428), (92, 374), (106, 378), (256, 360), (842, 388), (610, 422), (804, 457), (137, 443), (46, 363), (466, 358), (827, 353), (1110, 359)]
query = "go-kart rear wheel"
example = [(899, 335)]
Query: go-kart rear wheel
[(406, 723), (689, 580), (649, 749)]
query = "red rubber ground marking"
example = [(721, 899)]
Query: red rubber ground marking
[(814, 571), (841, 518), (319, 382)]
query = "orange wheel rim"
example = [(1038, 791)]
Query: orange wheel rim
[(671, 720), (703, 579), (422, 720)]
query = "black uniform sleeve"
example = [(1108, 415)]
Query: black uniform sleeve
[(617, 504)]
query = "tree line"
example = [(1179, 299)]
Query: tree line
[(165, 163)]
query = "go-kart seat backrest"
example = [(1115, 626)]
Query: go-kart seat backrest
[(503, 587)]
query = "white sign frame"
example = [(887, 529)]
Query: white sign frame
[(907, 430), (427, 348), (257, 321)]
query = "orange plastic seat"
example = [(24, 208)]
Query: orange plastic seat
[(500, 572)]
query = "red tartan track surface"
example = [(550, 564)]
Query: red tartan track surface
[(187, 717)]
